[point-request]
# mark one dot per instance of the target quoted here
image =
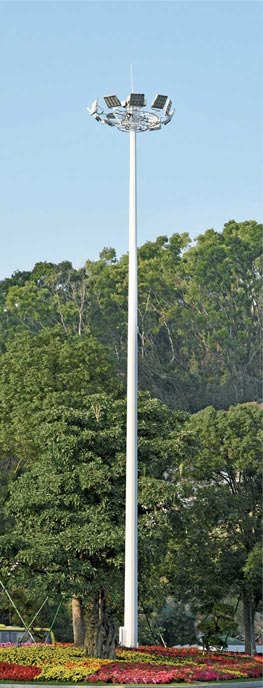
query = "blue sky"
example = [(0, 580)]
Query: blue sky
[(64, 178)]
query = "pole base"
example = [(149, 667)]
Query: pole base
[(122, 636), (126, 639)]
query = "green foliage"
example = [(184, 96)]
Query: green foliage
[(177, 624), (199, 312), (66, 510), (173, 624), (63, 335), (217, 626), (45, 369), (221, 511)]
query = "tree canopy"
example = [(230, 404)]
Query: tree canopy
[(66, 510), (221, 512), (63, 335), (199, 313)]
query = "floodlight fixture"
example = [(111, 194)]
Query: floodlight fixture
[(94, 106), (168, 107), (159, 102), (167, 120), (127, 115), (136, 100), (112, 101)]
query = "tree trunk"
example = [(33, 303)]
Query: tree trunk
[(248, 611), (100, 630), (78, 622)]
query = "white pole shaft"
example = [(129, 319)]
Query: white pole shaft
[(131, 540)]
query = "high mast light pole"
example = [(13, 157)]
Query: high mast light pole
[(130, 116)]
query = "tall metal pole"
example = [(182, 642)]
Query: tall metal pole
[(130, 116), (130, 631)]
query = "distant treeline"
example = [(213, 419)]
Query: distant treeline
[(199, 313)]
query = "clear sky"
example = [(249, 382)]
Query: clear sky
[(64, 177)]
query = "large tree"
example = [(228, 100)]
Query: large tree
[(38, 371), (67, 509), (221, 513)]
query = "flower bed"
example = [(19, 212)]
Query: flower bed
[(168, 665), (143, 665), (16, 672)]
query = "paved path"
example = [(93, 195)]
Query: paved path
[(201, 684)]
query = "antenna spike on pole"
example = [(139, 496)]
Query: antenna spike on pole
[(131, 79)]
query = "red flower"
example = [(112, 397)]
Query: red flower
[(17, 672)]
